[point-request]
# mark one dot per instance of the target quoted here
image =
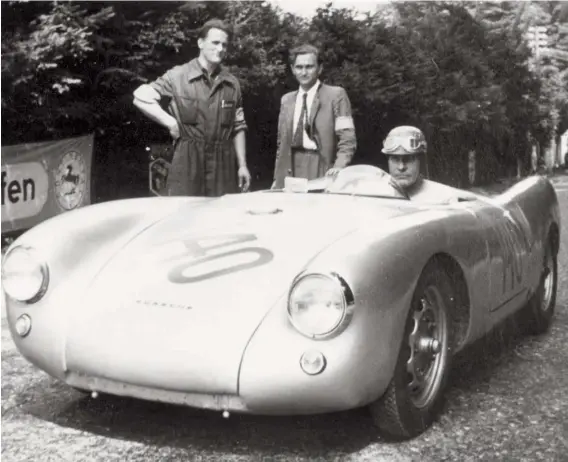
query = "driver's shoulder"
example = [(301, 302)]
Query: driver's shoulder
[(432, 191), (435, 186)]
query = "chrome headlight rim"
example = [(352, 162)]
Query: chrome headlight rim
[(44, 269), (348, 304)]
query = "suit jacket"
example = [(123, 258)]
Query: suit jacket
[(332, 128)]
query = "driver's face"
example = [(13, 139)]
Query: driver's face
[(404, 169)]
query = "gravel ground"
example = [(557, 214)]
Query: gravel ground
[(509, 404)]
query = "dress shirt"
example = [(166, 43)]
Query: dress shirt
[(308, 143)]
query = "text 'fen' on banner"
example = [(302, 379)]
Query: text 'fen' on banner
[(41, 180)]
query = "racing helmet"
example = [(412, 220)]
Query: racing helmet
[(404, 140)]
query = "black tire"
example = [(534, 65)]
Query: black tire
[(415, 394), (538, 313)]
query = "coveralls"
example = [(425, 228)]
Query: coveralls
[(209, 112)]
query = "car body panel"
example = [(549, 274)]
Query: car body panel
[(162, 296), (184, 300)]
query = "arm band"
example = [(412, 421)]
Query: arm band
[(343, 122)]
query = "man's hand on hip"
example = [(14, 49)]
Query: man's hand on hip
[(173, 128)]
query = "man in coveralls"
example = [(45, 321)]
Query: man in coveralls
[(205, 119)]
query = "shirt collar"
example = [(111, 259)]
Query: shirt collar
[(312, 91), (195, 70)]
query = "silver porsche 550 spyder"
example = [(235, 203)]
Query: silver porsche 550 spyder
[(324, 297)]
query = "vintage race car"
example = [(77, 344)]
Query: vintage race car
[(325, 296)]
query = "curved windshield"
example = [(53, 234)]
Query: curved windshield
[(370, 181), (358, 180)]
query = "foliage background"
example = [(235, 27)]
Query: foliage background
[(462, 71)]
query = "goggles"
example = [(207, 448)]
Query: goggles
[(410, 144)]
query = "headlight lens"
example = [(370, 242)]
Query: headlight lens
[(24, 275), (317, 304)]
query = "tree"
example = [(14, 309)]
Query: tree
[(460, 71), (43, 68), (512, 20)]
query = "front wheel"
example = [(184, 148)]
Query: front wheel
[(538, 312), (415, 393)]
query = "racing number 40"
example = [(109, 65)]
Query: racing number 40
[(200, 254)]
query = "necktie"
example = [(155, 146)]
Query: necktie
[(298, 140)]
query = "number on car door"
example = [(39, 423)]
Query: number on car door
[(513, 248)]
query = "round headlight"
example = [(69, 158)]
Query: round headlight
[(317, 305), (24, 275)]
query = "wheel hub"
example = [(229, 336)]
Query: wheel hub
[(428, 345), (548, 283), (425, 342)]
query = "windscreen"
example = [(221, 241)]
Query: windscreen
[(358, 180)]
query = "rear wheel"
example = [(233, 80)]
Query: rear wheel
[(538, 312), (415, 393)]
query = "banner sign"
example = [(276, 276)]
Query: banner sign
[(41, 180)]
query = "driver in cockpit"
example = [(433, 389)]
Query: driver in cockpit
[(405, 148)]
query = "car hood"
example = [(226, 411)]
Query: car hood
[(194, 286), (262, 239), (237, 241)]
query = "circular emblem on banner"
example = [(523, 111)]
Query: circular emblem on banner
[(70, 180)]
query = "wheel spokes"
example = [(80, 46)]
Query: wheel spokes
[(425, 342)]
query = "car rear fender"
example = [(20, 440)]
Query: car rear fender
[(533, 204)]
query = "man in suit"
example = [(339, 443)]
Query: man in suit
[(316, 134)]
